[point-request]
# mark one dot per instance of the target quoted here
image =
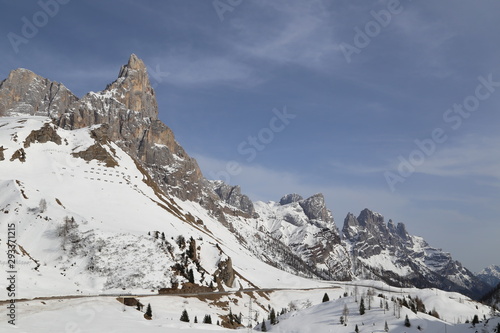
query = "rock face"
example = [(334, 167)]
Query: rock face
[(289, 198), (128, 106), (315, 208), (25, 92), (232, 196), (412, 260)]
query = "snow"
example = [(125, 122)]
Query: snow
[(108, 247)]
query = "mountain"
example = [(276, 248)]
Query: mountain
[(105, 199), (388, 252), (490, 275)]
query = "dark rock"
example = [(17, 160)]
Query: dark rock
[(232, 196), (20, 155), (315, 208)]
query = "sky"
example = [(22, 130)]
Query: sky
[(387, 105)]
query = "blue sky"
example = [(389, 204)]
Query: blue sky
[(306, 97)]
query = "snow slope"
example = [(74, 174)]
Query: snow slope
[(89, 228)]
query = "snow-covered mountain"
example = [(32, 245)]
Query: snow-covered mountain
[(388, 252), (104, 199), (490, 275)]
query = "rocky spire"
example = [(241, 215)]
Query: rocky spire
[(133, 89)]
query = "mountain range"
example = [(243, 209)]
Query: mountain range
[(104, 199)]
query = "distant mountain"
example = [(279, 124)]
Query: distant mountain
[(105, 198), (490, 275), (388, 252)]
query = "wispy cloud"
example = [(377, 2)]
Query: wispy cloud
[(473, 156), (189, 70)]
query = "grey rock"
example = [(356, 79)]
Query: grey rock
[(232, 196), (26, 92), (315, 208), (290, 198)]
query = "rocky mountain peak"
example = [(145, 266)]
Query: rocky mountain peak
[(232, 196), (133, 88), (26, 92), (290, 198), (368, 217), (315, 208), (401, 231)]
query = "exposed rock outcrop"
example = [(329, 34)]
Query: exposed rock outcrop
[(232, 196), (290, 198), (45, 134), (26, 92)]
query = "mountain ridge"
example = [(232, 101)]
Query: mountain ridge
[(296, 235)]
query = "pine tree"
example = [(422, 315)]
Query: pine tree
[(185, 316), (195, 319), (263, 327), (149, 312), (326, 298), (475, 320), (362, 307), (272, 317), (356, 329), (191, 276), (407, 321), (498, 328), (386, 327), (207, 319)]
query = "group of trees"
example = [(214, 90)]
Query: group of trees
[(207, 319)]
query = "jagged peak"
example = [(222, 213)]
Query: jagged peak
[(134, 64), (133, 88), (290, 198)]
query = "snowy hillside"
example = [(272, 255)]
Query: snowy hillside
[(98, 202), (78, 232)]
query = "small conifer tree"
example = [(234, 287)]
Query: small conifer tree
[(326, 298), (475, 320), (263, 327), (356, 329), (362, 307), (149, 312), (191, 276), (407, 321), (272, 317), (195, 319), (386, 327), (185, 316)]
